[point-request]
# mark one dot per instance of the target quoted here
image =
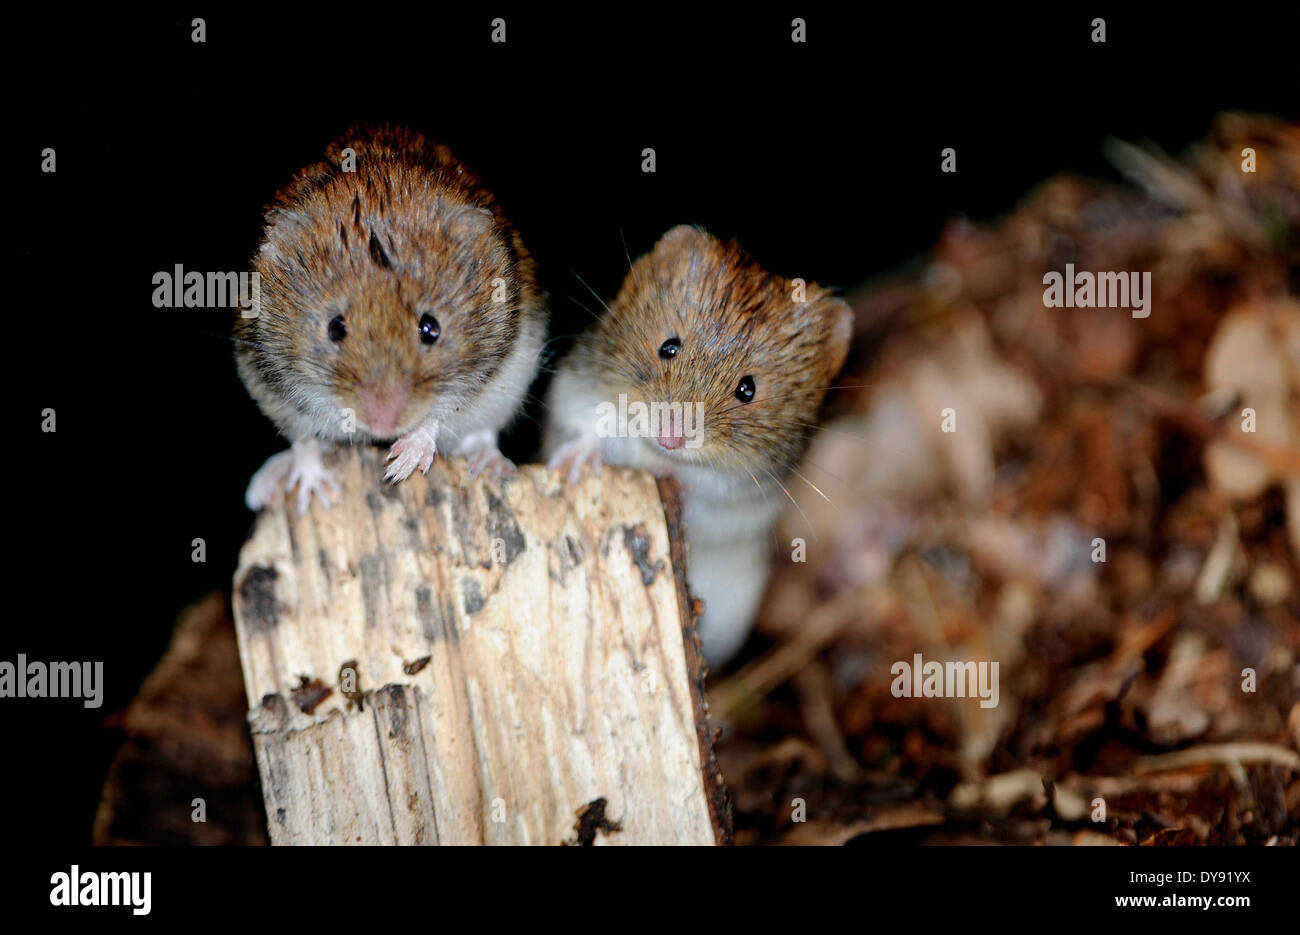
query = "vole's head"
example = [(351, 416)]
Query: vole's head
[(383, 294), (698, 322)]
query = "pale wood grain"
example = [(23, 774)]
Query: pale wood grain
[(562, 662)]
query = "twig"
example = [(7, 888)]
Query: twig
[(1229, 753), (762, 675)]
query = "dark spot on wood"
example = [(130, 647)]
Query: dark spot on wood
[(433, 496), (503, 526), (415, 665), (449, 627), (257, 596), (592, 820), (348, 672), (429, 622), (293, 544), (565, 555), (374, 573), (637, 541), (465, 528), (309, 693), (275, 709), (392, 701), (474, 600), (373, 502), (435, 622)]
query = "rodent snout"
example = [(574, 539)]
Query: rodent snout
[(381, 408), (671, 425)]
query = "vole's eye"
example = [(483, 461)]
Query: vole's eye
[(668, 350), (745, 391), (337, 330), (429, 329)]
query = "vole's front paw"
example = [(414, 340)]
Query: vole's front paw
[(301, 466), (573, 456), (482, 456), (310, 476), (490, 462), (268, 480), (413, 450)]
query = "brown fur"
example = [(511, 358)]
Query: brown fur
[(734, 319), (410, 231)]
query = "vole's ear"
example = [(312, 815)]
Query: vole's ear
[(467, 221), (837, 319), (681, 238)]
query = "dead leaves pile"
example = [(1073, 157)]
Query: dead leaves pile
[(1153, 697)]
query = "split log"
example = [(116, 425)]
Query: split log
[(454, 661)]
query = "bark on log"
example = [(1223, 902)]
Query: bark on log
[(452, 661)]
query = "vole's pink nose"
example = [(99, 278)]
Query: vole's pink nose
[(381, 409), (672, 442)]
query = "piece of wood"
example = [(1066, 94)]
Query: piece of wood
[(454, 661), (185, 774)]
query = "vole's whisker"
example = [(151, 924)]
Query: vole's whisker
[(589, 289), (234, 339), (811, 484), (789, 495), (835, 477), (809, 391), (833, 431), (631, 267), (594, 316), (875, 445), (776, 541)]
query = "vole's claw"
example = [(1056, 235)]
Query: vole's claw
[(574, 456), (310, 476), (413, 450), (301, 466), (491, 462), (268, 480)]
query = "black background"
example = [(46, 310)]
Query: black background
[(822, 158)]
